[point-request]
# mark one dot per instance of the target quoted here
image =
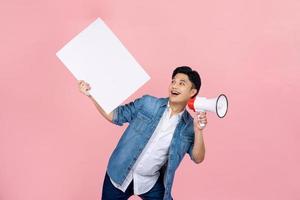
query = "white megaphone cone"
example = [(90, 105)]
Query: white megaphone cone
[(218, 105)]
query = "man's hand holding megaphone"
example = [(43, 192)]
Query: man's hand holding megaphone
[(200, 105), (200, 118)]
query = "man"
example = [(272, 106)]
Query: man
[(159, 134)]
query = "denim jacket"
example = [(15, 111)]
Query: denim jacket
[(143, 115)]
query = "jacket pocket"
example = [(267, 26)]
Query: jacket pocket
[(140, 122)]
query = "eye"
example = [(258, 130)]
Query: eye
[(181, 83)]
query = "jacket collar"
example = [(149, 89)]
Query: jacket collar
[(185, 115)]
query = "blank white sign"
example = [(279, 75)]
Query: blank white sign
[(98, 57)]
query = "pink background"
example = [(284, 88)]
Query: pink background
[(54, 145)]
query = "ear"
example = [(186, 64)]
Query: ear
[(193, 92)]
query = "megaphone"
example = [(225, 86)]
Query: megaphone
[(218, 105)]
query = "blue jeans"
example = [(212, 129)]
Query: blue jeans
[(110, 192)]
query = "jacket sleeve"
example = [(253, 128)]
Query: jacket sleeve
[(127, 112), (190, 151)]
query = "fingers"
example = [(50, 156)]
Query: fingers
[(84, 86), (201, 117), (203, 121), (201, 113)]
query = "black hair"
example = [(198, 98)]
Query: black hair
[(193, 76)]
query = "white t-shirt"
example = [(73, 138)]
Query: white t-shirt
[(145, 171)]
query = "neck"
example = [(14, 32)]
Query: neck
[(177, 107)]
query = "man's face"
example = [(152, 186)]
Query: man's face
[(180, 89)]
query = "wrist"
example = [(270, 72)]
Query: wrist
[(199, 131)]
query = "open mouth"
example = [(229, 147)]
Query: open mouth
[(175, 93)]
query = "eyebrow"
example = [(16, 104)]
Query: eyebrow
[(180, 80), (183, 80)]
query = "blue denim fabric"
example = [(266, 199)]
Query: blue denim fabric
[(143, 115), (110, 192)]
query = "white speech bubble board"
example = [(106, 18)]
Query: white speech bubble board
[(98, 57)]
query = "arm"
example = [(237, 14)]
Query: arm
[(121, 114), (197, 149), (108, 117), (84, 87)]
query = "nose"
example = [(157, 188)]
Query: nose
[(174, 88)]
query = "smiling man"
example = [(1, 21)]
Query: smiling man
[(160, 132)]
